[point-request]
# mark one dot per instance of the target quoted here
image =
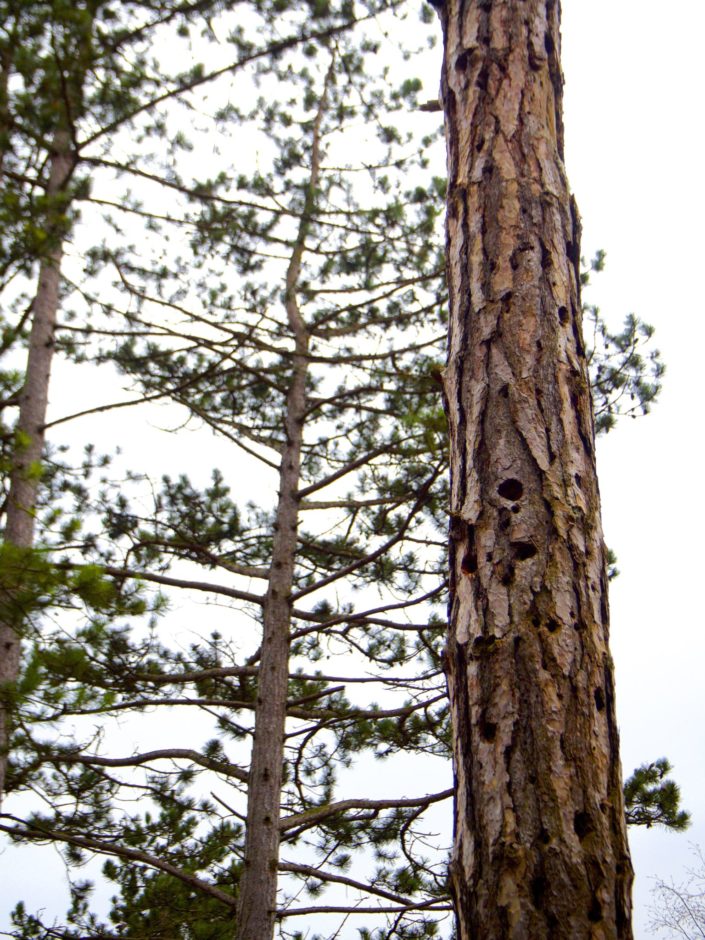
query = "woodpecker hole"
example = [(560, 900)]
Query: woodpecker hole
[(582, 825), (599, 699), (511, 489), (469, 563), (488, 730), (523, 550), (563, 315), (552, 625), (507, 576), (595, 912), (463, 60)]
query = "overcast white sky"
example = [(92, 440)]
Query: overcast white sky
[(634, 139)]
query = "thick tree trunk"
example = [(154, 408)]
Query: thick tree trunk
[(256, 914), (24, 480), (540, 846)]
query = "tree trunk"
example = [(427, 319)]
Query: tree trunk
[(256, 914), (29, 433), (540, 846)]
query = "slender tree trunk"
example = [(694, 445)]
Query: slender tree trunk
[(256, 914), (540, 847), (29, 446)]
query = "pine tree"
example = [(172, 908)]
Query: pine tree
[(540, 845)]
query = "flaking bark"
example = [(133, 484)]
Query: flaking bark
[(540, 844)]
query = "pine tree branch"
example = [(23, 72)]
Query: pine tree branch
[(37, 833), (230, 770), (313, 816), (321, 875)]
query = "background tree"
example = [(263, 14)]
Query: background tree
[(679, 909)]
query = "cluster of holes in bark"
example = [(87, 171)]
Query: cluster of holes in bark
[(552, 625), (482, 644)]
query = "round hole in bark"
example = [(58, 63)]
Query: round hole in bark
[(595, 911), (582, 825), (507, 576), (463, 60), (536, 621), (599, 699), (563, 315), (469, 563), (552, 625), (511, 489), (523, 550), (488, 730), (516, 508)]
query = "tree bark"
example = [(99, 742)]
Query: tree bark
[(29, 446), (256, 913), (540, 846)]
